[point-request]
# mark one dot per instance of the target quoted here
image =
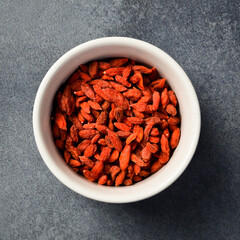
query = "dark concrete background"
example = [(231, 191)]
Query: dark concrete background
[(203, 37)]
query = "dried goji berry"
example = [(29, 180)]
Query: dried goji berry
[(104, 65), (146, 154), (127, 71), (114, 170), (87, 133), (74, 163), (101, 83), (113, 71), (123, 81), (84, 76), (88, 162), (120, 178), (114, 156), (105, 154), (164, 98), (118, 114), (175, 138), (84, 68), (154, 132), (123, 134), (125, 157), (139, 132), (85, 107), (165, 145), (171, 110), (152, 147), (90, 150), (163, 158), (116, 142), (133, 94), (93, 69), (119, 87), (88, 90), (131, 138), (156, 166), (118, 62), (87, 116), (122, 127), (127, 182), (141, 69), (60, 121), (103, 179), (135, 120), (138, 160), (103, 118), (137, 178), (83, 145), (97, 169), (74, 133)]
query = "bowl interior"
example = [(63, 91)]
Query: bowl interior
[(139, 51)]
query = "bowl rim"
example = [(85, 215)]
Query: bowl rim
[(60, 62)]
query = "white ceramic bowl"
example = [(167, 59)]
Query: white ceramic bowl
[(140, 51)]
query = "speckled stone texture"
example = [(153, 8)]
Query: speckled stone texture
[(203, 37)]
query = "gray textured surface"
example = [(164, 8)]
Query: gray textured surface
[(203, 36)]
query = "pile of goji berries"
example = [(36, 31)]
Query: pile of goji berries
[(115, 122)]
